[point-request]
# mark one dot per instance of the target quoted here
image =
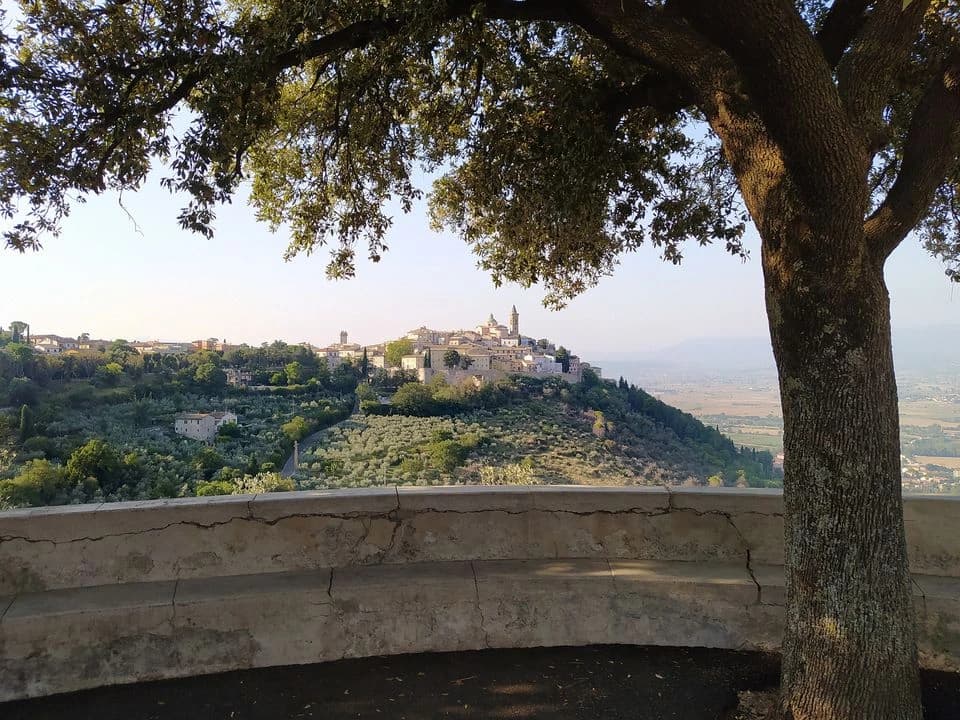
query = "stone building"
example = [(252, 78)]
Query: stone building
[(202, 426)]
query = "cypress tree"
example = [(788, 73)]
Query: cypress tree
[(26, 422)]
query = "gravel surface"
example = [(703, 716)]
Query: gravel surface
[(608, 682)]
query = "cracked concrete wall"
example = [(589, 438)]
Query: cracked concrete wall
[(49, 548), (144, 631), (140, 591)]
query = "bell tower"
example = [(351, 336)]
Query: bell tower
[(514, 322)]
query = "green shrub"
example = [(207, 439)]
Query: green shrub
[(229, 430), (264, 483), (39, 483), (297, 429), (96, 459), (446, 455), (414, 399), (215, 487)]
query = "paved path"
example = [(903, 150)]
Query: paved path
[(288, 468), (609, 682)]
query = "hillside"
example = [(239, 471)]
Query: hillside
[(100, 427), (530, 431)]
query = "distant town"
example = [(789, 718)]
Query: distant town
[(485, 353), (177, 418), (87, 420)]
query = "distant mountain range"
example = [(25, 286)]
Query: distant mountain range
[(932, 349)]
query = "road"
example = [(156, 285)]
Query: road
[(288, 468)]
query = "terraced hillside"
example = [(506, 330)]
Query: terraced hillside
[(532, 432)]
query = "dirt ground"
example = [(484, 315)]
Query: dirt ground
[(609, 682)]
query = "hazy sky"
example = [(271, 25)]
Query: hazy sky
[(109, 278)]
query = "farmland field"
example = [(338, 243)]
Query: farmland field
[(950, 462), (772, 441)]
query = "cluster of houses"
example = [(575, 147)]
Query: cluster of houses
[(480, 355), (57, 344), (484, 353), (489, 351)]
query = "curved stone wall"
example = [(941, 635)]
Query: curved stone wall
[(93, 595)]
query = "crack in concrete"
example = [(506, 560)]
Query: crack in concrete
[(367, 523), (330, 586), (670, 505), (923, 595), (397, 524), (613, 575), (746, 547), (205, 526), (547, 511), (173, 606), (393, 516), (398, 514), (7, 606), (483, 620)]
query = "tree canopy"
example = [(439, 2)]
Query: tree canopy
[(561, 133), (394, 352)]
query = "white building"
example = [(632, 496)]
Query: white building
[(425, 336), (202, 426), (542, 363), (155, 347), (338, 352), (53, 344)]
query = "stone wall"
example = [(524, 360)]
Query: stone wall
[(147, 590)]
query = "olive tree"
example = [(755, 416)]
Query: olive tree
[(563, 133)]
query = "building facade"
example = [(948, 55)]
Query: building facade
[(202, 426)]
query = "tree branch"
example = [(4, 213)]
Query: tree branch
[(663, 93), (531, 10), (932, 149), (660, 39), (865, 74), (791, 85), (362, 33), (657, 40), (840, 26)]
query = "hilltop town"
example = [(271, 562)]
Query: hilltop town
[(485, 353), (481, 354), (88, 420)]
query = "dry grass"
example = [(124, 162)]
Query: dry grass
[(748, 402), (724, 400), (949, 462)]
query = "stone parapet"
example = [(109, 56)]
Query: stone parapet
[(114, 593)]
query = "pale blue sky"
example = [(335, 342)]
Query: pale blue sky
[(104, 277)]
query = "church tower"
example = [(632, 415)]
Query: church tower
[(343, 337), (514, 322)]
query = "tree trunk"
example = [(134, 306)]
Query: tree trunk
[(849, 649)]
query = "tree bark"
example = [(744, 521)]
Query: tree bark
[(849, 649)]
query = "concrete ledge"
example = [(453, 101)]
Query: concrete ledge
[(50, 548), (115, 593), (65, 640), (75, 546)]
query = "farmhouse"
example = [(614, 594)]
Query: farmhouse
[(202, 426)]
